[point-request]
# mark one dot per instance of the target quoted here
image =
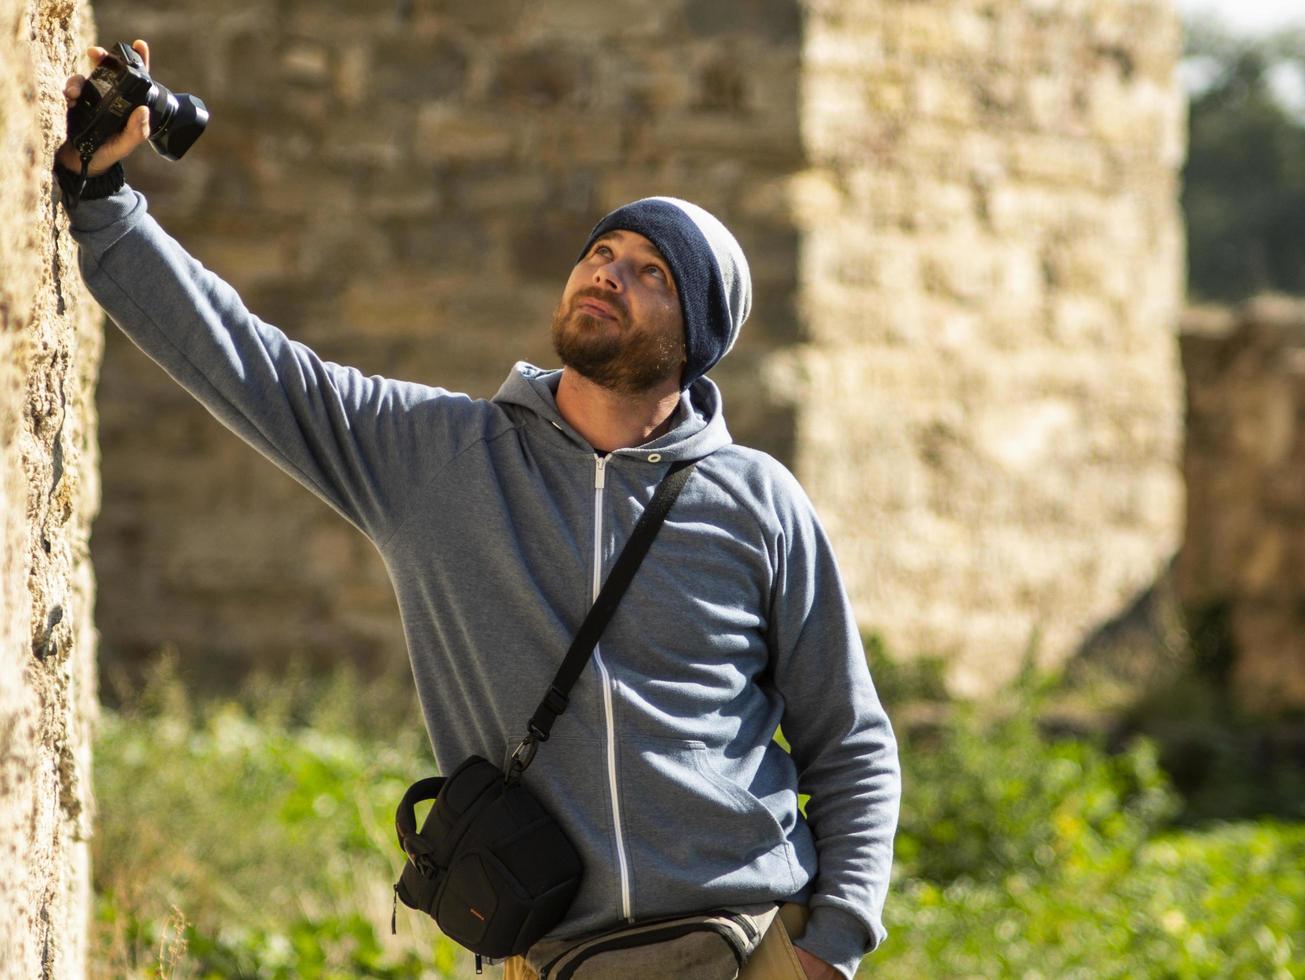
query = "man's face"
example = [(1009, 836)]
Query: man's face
[(619, 323)]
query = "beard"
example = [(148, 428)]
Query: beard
[(628, 361)]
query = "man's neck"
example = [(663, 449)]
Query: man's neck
[(608, 420)]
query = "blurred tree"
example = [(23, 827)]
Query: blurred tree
[(1244, 184)]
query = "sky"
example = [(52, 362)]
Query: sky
[(1250, 16)]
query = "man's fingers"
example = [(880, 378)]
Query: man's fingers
[(72, 89), (143, 49), (136, 132), (96, 54), (122, 144)]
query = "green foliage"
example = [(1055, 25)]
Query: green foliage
[(988, 800), (1226, 902), (1023, 855), (918, 679), (235, 845), (1244, 184), (1226, 765), (252, 839)]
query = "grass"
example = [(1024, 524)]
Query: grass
[(254, 837)]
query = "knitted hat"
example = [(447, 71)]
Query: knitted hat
[(710, 270)]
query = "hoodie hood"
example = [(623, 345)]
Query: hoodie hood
[(699, 428)]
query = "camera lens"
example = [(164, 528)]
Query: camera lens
[(176, 121)]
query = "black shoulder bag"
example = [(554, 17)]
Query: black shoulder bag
[(490, 864)]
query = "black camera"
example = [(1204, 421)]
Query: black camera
[(118, 85)]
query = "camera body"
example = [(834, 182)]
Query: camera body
[(120, 84)]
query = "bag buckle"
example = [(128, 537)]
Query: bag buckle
[(420, 854), (522, 757)]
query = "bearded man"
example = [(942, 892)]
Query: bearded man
[(498, 520)]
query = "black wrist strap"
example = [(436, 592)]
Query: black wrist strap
[(586, 638), (78, 187)]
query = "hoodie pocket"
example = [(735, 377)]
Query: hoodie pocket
[(695, 837)]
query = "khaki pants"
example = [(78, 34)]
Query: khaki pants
[(774, 959)]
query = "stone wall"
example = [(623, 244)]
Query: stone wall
[(404, 187), (991, 279), (1244, 555), (962, 223), (49, 355)]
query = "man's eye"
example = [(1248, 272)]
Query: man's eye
[(602, 249), (654, 268)]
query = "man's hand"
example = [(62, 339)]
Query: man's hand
[(116, 147), (814, 967)]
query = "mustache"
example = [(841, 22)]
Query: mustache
[(606, 298)]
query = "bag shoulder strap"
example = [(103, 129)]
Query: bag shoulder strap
[(586, 638)]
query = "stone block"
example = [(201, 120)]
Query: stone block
[(1269, 675), (712, 135), (352, 73), (546, 251), (306, 62), (962, 266), (920, 30), (570, 138), (492, 18), (392, 304), (450, 133), (498, 188), (418, 72), (617, 19), (544, 75), (1079, 163), (774, 20), (946, 97)]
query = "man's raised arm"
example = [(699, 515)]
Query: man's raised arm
[(361, 443)]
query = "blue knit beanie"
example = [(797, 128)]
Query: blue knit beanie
[(710, 270)]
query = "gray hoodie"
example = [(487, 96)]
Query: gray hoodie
[(497, 523)]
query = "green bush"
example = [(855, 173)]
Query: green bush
[(1021, 855), (235, 845), (252, 838), (983, 800), (1225, 902)]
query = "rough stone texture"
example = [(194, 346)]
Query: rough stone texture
[(963, 227), (49, 355), (991, 279), (1245, 469)]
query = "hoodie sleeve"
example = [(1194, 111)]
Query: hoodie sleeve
[(840, 737), (360, 443)]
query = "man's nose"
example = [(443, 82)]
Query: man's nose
[(610, 275)]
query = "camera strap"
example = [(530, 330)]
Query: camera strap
[(75, 193), (582, 647)]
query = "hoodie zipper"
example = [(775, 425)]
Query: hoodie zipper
[(600, 481)]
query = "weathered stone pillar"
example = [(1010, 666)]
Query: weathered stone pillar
[(50, 341), (990, 283), (1243, 563)]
